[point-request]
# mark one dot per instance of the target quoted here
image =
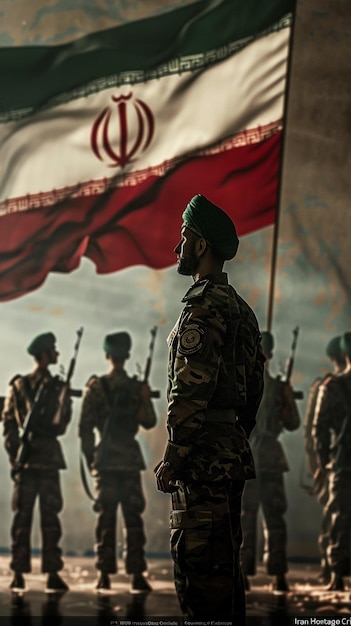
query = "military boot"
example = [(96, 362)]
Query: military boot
[(17, 583), (336, 583), (55, 584), (103, 582), (140, 584), (279, 584), (324, 575)]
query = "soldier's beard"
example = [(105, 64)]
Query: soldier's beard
[(188, 264)]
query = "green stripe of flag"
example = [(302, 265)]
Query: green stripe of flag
[(187, 38)]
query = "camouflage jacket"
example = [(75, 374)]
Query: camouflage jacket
[(312, 461), (277, 411), (215, 384), (117, 448), (332, 407), (44, 450)]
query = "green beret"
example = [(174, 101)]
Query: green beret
[(210, 222), (345, 343), (42, 343), (117, 345), (333, 349), (267, 343)]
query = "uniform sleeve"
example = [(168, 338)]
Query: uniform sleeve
[(147, 415), (10, 426), (290, 414), (308, 423), (87, 421), (192, 381), (326, 405)]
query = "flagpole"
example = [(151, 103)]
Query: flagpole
[(279, 191), (273, 271)]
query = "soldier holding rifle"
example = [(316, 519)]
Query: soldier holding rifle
[(36, 412), (115, 405), (332, 436), (277, 411), (320, 486)]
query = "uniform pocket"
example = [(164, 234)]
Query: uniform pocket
[(191, 540)]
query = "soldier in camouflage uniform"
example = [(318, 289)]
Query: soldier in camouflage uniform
[(215, 384), (39, 476), (320, 489), (277, 411), (116, 405), (332, 436)]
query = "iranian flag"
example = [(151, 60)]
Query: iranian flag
[(104, 140)]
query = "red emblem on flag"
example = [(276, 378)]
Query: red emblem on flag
[(119, 133)]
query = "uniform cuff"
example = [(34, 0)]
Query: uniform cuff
[(176, 456)]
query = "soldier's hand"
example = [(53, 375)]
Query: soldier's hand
[(288, 392), (145, 391), (165, 478)]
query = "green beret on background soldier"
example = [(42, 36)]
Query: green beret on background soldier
[(116, 405), (331, 432), (277, 412), (215, 385), (337, 358), (38, 477)]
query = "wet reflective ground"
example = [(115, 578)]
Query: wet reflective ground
[(83, 606)]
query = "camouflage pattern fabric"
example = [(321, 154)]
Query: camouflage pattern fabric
[(268, 492), (29, 485), (117, 471), (205, 543), (123, 452), (215, 384), (332, 406), (124, 488), (312, 463), (277, 410), (39, 478), (215, 364), (45, 450)]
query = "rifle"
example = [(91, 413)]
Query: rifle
[(120, 412), (65, 387), (153, 331), (286, 376), (38, 406), (28, 428)]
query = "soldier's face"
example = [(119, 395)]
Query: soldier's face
[(187, 258)]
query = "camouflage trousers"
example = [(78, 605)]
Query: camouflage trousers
[(205, 542), (324, 532), (30, 484), (267, 491), (124, 488), (339, 506)]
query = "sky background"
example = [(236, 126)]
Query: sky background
[(312, 285)]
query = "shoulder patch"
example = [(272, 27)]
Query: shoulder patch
[(191, 339), (196, 290)]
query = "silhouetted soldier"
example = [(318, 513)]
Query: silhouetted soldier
[(332, 436), (32, 402), (333, 351), (277, 411), (116, 405)]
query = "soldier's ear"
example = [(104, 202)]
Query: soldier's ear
[(201, 246)]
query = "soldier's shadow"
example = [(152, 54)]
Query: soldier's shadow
[(51, 614), (20, 611)]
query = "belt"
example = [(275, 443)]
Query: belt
[(226, 416)]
